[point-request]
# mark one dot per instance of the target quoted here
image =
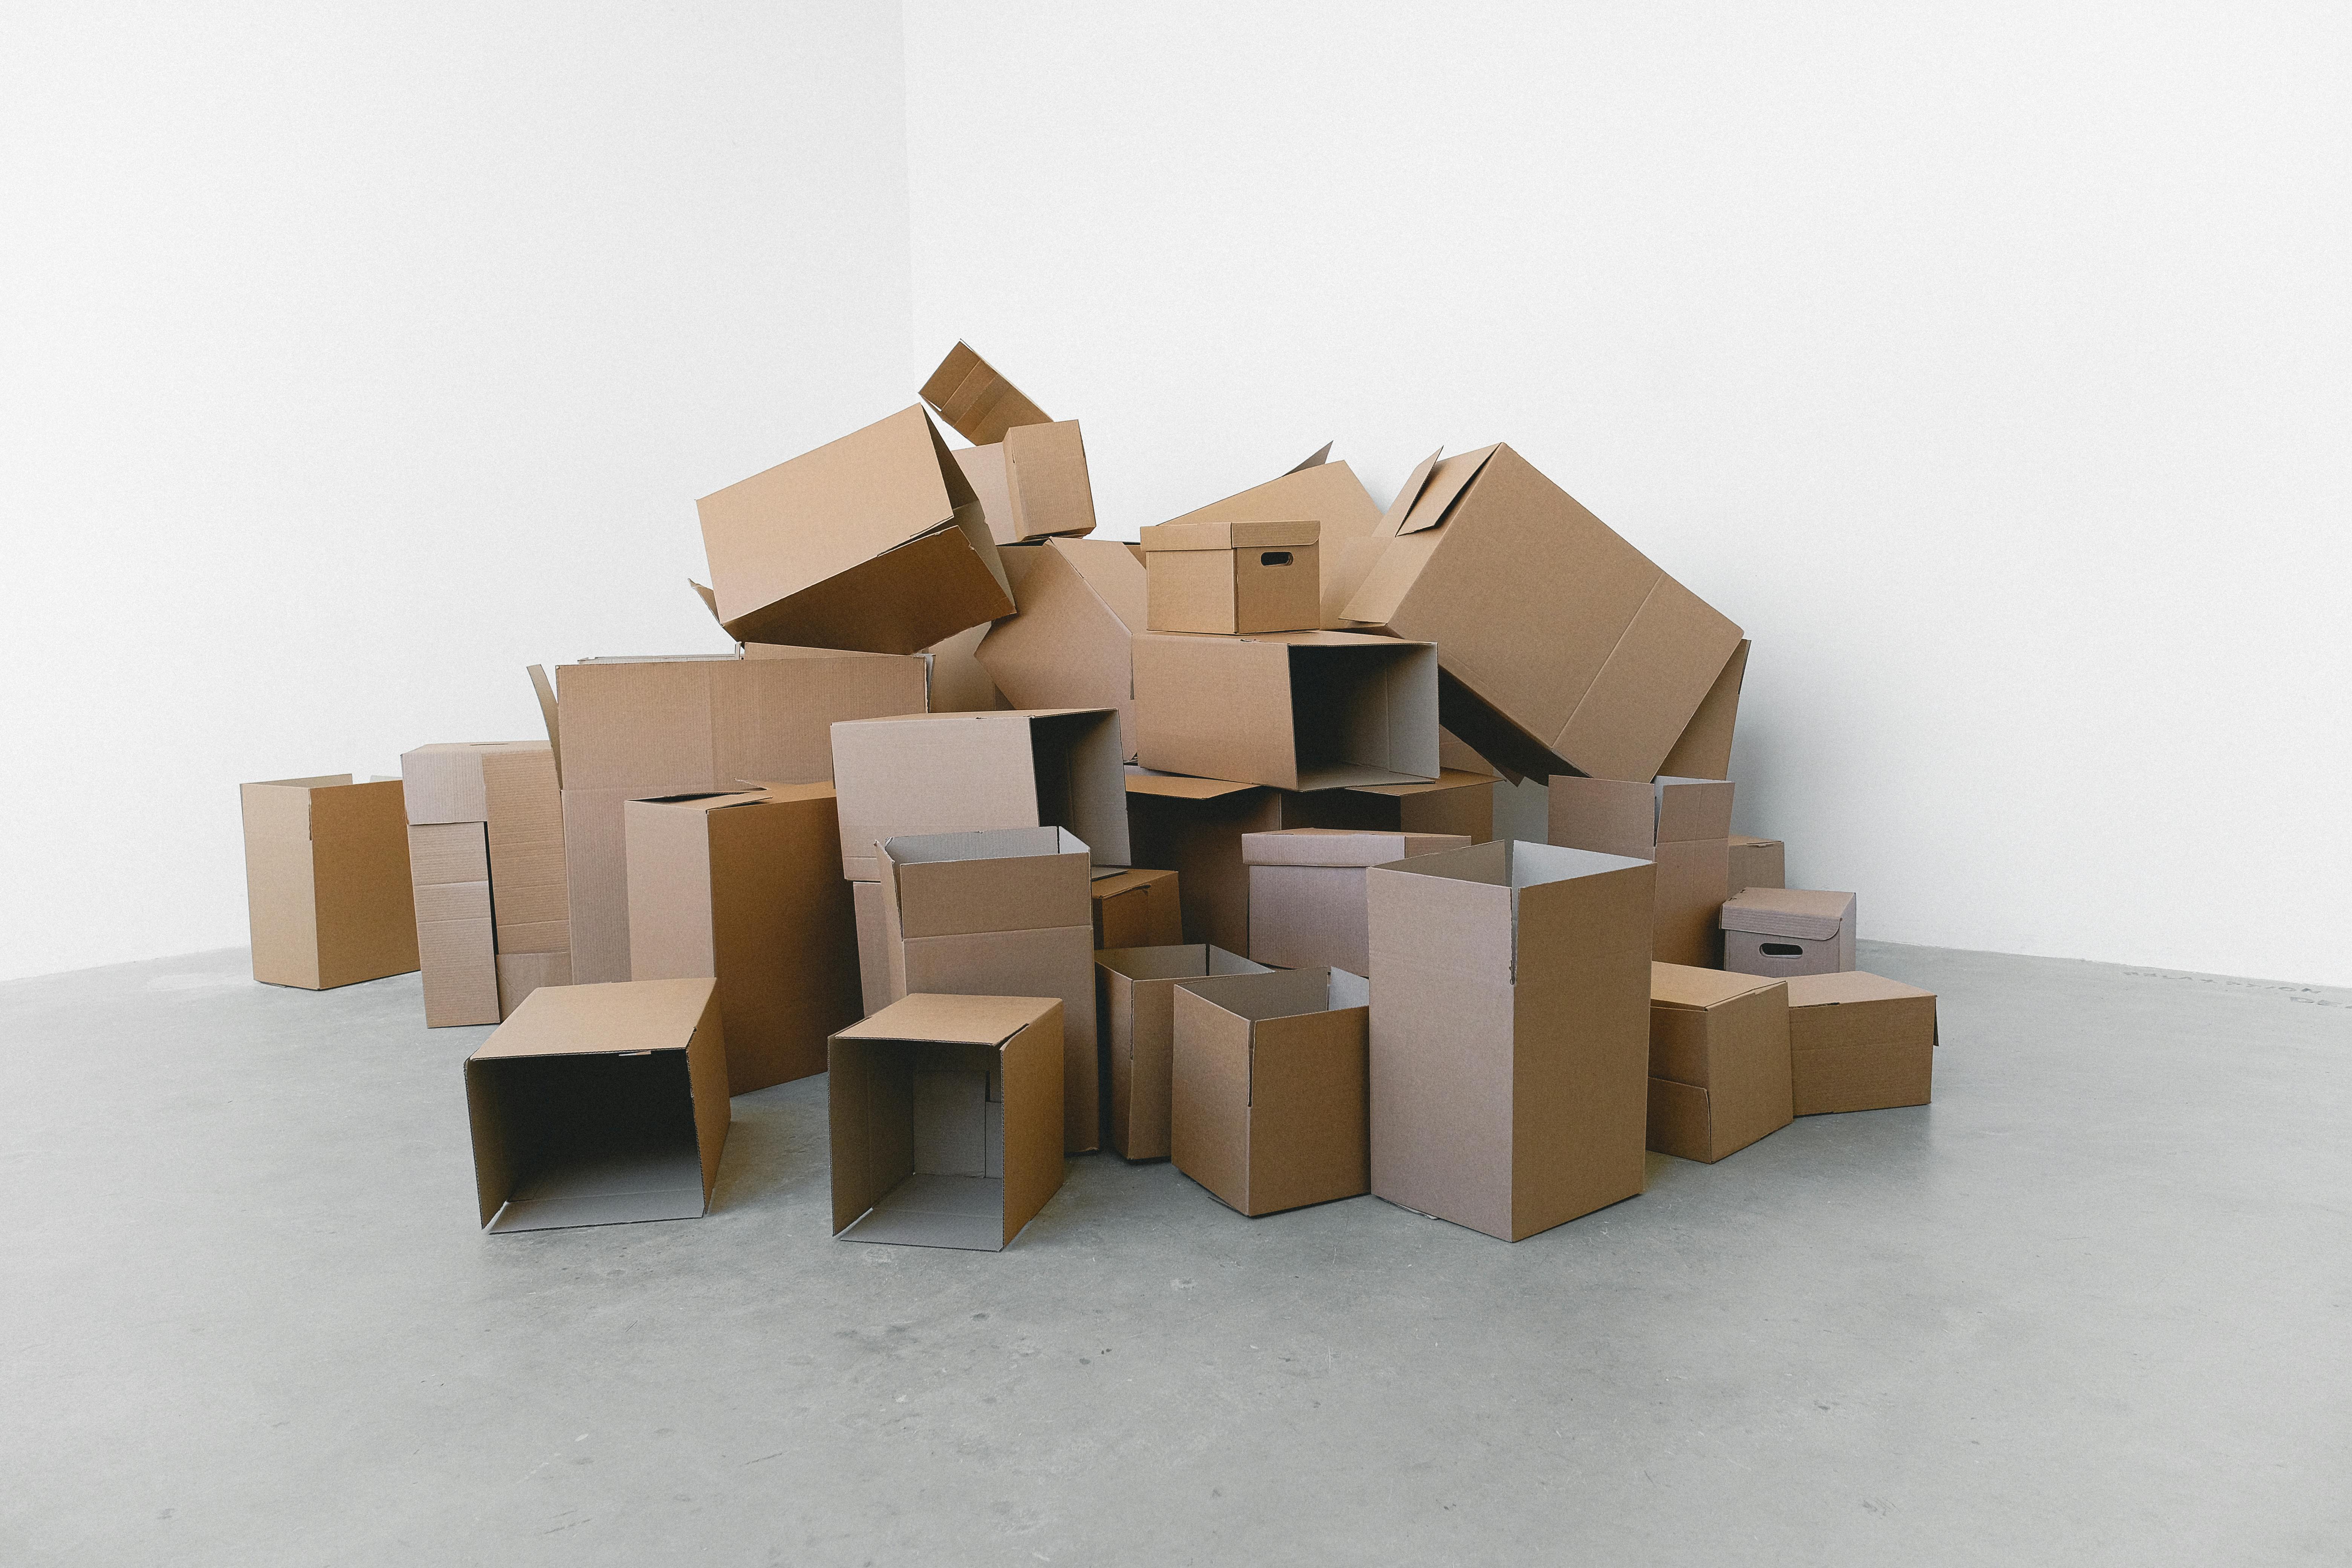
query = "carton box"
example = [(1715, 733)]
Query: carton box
[(1758, 863), (1136, 909), (1785, 931), (600, 1105), (947, 1121), (1682, 825), (1001, 913), (636, 729), (521, 973), (874, 542), (1267, 1104), (962, 773), (1229, 578), (1565, 650), (1194, 825), (449, 875), (1858, 1042), (1307, 902), (326, 881), (1704, 752), (507, 791), (1296, 711), (1510, 1038), (1135, 995), (1718, 1062), (1328, 495), (1459, 802), (1028, 470), (1072, 646), (744, 887), (960, 682)]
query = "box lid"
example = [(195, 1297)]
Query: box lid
[(1799, 912), (950, 1019), (1852, 985), (622, 1016), (1167, 536), (1342, 846), (1681, 986)]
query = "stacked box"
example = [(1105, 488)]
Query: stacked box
[(486, 846), (1719, 1072), (1683, 825)]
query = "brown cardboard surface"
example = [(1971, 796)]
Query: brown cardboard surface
[(1269, 585), (1788, 931), (1860, 1042), (327, 881), (1047, 489), (977, 401), (1342, 846), (1307, 892), (1459, 802), (1296, 711), (1758, 863), (1081, 601), (1705, 750), (873, 947), (521, 973), (1718, 1062), (1138, 908), (450, 870), (1268, 1096), (1329, 495), (1135, 998), (1683, 825), (1195, 826), (960, 682)]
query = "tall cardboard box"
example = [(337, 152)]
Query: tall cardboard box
[(1787, 931), (1307, 892), (1683, 826), (1860, 1042), (326, 881), (1232, 578), (1028, 470), (1758, 863), (1072, 644), (1718, 1062), (1510, 1041), (600, 1105), (964, 773), (1296, 711), (1564, 649), (1268, 1108), (1331, 496), (1134, 1000), (1136, 909), (874, 542), (1001, 913), (744, 887), (490, 933), (947, 1121), (449, 873)]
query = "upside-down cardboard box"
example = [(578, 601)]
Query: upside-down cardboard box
[(1787, 931), (326, 881), (1028, 470), (1232, 579), (1510, 1041), (1860, 1042), (1267, 1109), (746, 888), (1296, 711), (1135, 995), (600, 1105), (1683, 826), (1136, 909), (1719, 1075), (486, 848), (1072, 646), (1307, 891), (947, 1121), (1328, 495)]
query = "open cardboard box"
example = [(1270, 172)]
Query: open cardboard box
[(1268, 1108), (1719, 1074), (1296, 711), (1307, 891), (1028, 469), (1072, 646), (1683, 826), (326, 879), (1135, 991)]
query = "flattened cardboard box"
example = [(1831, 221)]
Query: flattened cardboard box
[(1072, 644), (1683, 825), (1329, 495), (600, 1105), (326, 879), (1135, 994), (1307, 891), (1232, 578), (1719, 1075), (1136, 909), (1296, 711), (1267, 1109), (1758, 863), (1788, 931), (506, 792), (1860, 1042), (947, 1121)]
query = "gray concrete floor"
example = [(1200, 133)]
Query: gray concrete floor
[(2095, 1306)]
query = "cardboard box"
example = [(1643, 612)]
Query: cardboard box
[(947, 1121), (506, 791), (1718, 1062), (874, 542), (1704, 752), (1229, 578), (744, 887), (1135, 998), (1785, 931), (1758, 863), (600, 1105), (326, 881), (976, 400), (1072, 646), (1307, 891), (1510, 1039), (1001, 913), (636, 729), (960, 682), (521, 973), (1859, 1042), (1195, 826), (1329, 495), (1565, 650), (1296, 711), (449, 877), (1267, 1106), (873, 947), (1028, 470), (1682, 825), (1136, 909), (1459, 802), (964, 773)]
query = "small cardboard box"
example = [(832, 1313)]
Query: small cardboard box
[(1195, 826), (1459, 802), (1758, 863), (1028, 469), (1136, 909), (1296, 711), (449, 873), (326, 881), (1785, 931), (1511, 1048), (1232, 578), (1682, 825), (966, 773), (1072, 644), (1135, 998), (1001, 913), (875, 542), (1705, 750), (1307, 891), (1858, 1042), (1329, 495), (1718, 1062), (947, 1121), (1268, 1103), (745, 888), (600, 1105)]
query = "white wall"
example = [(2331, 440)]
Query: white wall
[(1988, 364), (357, 357)]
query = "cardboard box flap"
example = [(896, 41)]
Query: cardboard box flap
[(1408, 493), (986, 844), (1680, 985), (1803, 914), (958, 1020), (1442, 487), (1342, 847), (1192, 961), (1315, 460), (622, 1016), (1111, 569), (975, 400), (1282, 993), (1173, 536), (1852, 985), (1447, 778), (544, 689), (1180, 787), (1704, 752)]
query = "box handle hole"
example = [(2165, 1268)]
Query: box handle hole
[(1274, 558), (1780, 949)]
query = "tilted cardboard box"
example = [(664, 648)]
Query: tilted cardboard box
[(1718, 1062), (1860, 1042), (947, 1121), (1307, 891), (1510, 1038), (326, 881), (1135, 997), (1267, 1106), (1704, 752), (1028, 470), (1682, 825), (1787, 931), (449, 873), (1072, 646), (874, 542), (1564, 649), (1136, 909), (1329, 495), (1229, 578), (1758, 863), (600, 1105), (746, 888), (962, 773), (1298, 710)]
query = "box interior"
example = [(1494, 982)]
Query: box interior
[(1343, 723), (933, 1145), (595, 1140)]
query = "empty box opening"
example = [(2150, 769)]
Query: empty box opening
[(935, 1147), (599, 1139), (1340, 716)]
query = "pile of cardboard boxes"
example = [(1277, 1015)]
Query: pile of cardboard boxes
[(1042, 844)]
